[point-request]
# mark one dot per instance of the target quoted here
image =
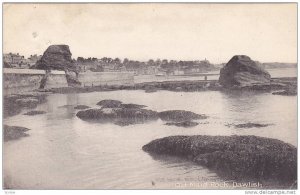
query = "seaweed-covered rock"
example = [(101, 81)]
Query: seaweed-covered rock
[(14, 132), (180, 115), (13, 104), (183, 124), (234, 157), (241, 71), (109, 103), (118, 115), (35, 112), (81, 107)]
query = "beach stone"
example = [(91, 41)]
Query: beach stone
[(180, 115), (234, 157), (241, 71)]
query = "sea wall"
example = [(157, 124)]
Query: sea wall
[(22, 80), (106, 78)]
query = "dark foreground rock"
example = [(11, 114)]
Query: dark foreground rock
[(180, 115), (109, 103), (234, 157), (183, 124), (120, 116), (14, 132), (241, 71), (13, 104), (34, 112), (81, 107)]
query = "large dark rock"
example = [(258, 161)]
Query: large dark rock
[(234, 157), (180, 115), (14, 132), (58, 57), (118, 115), (241, 71)]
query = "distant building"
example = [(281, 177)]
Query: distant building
[(33, 59), (14, 60)]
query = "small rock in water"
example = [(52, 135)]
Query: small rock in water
[(180, 115), (81, 107), (34, 112), (115, 115), (14, 132), (109, 103), (250, 125), (183, 124), (287, 92)]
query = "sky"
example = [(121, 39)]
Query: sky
[(264, 32)]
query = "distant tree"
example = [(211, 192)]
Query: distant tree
[(117, 61), (125, 61)]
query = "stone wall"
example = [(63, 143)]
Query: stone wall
[(22, 80)]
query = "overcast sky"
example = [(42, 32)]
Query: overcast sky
[(265, 32)]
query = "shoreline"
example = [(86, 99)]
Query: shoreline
[(284, 83)]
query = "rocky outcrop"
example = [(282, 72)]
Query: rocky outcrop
[(234, 157), (241, 71), (127, 114), (180, 115), (118, 115), (35, 112), (58, 57), (14, 132), (183, 124)]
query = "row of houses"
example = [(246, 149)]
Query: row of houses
[(13, 60)]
